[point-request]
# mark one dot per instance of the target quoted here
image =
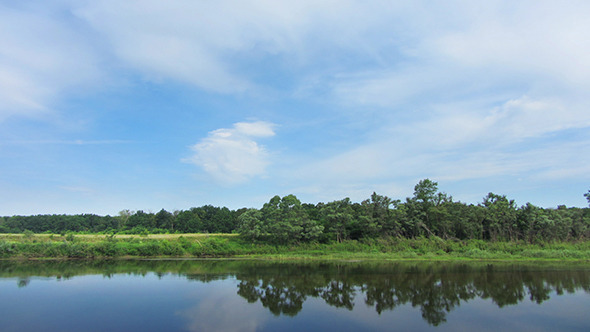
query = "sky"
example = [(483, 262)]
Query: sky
[(143, 105)]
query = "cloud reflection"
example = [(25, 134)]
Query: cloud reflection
[(222, 310)]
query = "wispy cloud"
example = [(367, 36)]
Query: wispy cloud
[(369, 94), (64, 142), (217, 309), (41, 58), (80, 190), (488, 91), (231, 155), (215, 46)]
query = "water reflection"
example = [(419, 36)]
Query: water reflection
[(435, 288), (283, 288)]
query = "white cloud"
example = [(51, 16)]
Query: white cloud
[(394, 164), (232, 155), (41, 58), (456, 90), (476, 49), (193, 42), (523, 138), (484, 125), (255, 129), (527, 117), (377, 52), (214, 45), (535, 37)]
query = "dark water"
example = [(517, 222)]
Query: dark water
[(222, 295)]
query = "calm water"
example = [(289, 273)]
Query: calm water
[(189, 295)]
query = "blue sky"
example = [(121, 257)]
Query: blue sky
[(143, 105)]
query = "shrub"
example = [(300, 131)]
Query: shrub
[(70, 237), (107, 248), (6, 249), (171, 248), (150, 248)]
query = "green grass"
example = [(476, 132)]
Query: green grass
[(37, 246)]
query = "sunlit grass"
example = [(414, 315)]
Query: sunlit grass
[(101, 237), (230, 245)]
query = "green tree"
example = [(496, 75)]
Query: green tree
[(287, 229), (378, 217), (534, 224), (337, 217), (466, 220), (3, 227), (250, 225), (164, 220), (580, 221), (427, 211), (287, 222), (215, 219), (423, 200), (188, 221), (501, 217), (124, 218), (142, 220)]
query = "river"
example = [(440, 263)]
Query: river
[(248, 295)]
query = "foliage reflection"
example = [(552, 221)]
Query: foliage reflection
[(282, 288)]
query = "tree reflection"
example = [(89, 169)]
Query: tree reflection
[(283, 288), (435, 289), (277, 296), (23, 282), (339, 294)]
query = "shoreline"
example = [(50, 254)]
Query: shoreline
[(230, 246)]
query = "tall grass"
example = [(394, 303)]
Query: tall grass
[(111, 246)]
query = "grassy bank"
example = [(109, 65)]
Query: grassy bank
[(37, 246)]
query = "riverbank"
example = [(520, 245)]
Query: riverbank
[(96, 246)]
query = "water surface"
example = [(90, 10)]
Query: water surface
[(228, 295)]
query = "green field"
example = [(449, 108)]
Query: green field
[(99, 246)]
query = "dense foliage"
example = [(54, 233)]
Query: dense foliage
[(205, 219), (428, 213), (33, 246)]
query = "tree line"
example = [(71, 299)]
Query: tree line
[(286, 220), (204, 219)]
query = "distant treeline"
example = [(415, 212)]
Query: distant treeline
[(205, 219), (285, 220)]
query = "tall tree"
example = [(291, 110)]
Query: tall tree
[(500, 217), (426, 211), (287, 222), (250, 225), (378, 216), (124, 218), (164, 220), (141, 220), (337, 217), (188, 221)]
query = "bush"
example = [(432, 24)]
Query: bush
[(171, 248), (76, 250), (150, 248), (6, 249), (107, 248)]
